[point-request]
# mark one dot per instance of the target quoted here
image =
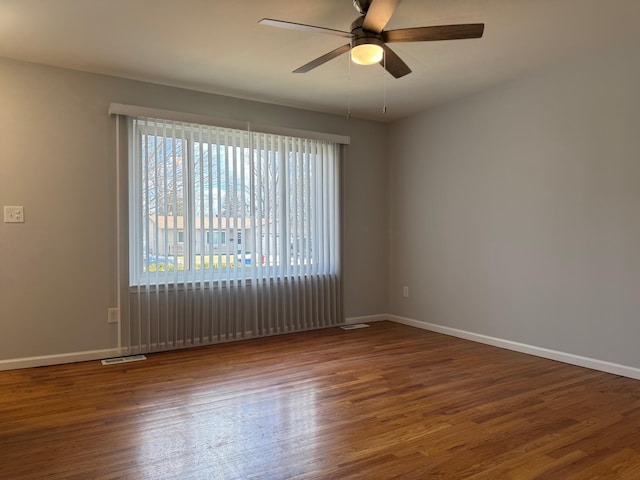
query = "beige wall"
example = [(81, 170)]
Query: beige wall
[(57, 270), (516, 212)]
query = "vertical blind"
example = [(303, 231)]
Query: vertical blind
[(232, 234)]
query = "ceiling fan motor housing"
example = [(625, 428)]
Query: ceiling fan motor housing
[(373, 40), (362, 36)]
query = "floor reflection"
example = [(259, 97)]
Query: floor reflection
[(238, 435)]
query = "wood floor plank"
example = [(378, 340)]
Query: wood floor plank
[(388, 401)]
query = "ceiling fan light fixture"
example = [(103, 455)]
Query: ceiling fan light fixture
[(368, 51)]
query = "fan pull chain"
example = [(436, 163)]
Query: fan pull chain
[(384, 83), (349, 86)]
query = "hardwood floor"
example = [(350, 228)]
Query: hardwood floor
[(383, 402)]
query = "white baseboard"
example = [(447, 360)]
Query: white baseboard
[(366, 319), (46, 360), (594, 364)]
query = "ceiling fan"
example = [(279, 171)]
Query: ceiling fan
[(369, 39)]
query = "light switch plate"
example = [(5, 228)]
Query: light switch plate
[(113, 315), (13, 214)]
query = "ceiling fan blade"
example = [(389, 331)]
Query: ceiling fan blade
[(323, 59), (394, 64), (439, 32), (379, 14), (303, 28)]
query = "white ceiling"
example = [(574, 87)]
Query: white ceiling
[(217, 46)]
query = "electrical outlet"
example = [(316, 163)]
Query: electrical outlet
[(13, 214), (405, 291), (113, 315)]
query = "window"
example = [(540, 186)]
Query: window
[(193, 188), (216, 238)]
